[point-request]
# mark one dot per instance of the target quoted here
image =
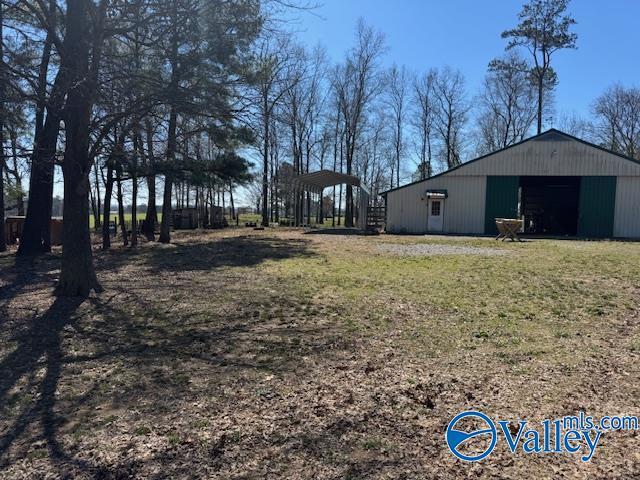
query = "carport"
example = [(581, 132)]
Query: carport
[(314, 184)]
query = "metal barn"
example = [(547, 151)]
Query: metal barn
[(557, 183)]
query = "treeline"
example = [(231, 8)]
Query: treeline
[(171, 99), (118, 91), (390, 125)]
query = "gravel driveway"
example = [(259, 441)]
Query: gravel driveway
[(426, 249)]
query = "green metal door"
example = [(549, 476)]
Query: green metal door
[(597, 207), (501, 201)]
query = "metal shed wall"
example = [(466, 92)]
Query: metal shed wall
[(627, 217), (550, 154), (545, 156), (463, 209)]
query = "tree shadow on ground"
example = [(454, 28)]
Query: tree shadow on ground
[(126, 351), (194, 254), (39, 347), (19, 274)]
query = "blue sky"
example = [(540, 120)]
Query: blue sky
[(465, 34)]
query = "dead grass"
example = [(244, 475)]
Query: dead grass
[(242, 354)]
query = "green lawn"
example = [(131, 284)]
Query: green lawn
[(243, 218), (141, 216), (114, 217), (275, 354)]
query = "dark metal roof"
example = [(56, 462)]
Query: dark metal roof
[(551, 134)]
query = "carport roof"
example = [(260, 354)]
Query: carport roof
[(323, 179)]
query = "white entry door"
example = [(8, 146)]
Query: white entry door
[(435, 209)]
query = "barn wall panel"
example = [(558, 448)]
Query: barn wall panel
[(552, 154), (547, 157), (463, 209), (627, 217)]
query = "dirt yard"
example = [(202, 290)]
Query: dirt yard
[(249, 355)]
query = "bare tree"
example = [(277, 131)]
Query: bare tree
[(507, 105), (578, 127), (451, 114), (423, 120), (302, 110), (272, 61), (373, 164), (357, 82), (543, 30), (618, 119), (3, 94), (397, 87)]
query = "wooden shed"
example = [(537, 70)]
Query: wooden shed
[(13, 230), (216, 217), (184, 218)]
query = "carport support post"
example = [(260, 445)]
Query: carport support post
[(300, 210), (296, 211), (298, 207), (294, 205), (357, 207), (291, 207)]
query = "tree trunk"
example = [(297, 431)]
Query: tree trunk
[(211, 209), (97, 220), (134, 213), (43, 70), (340, 192), (134, 206), (348, 209), (265, 172), (165, 235), (16, 175), (198, 207), (205, 206), (36, 232), (3, 244), (77, 275), (108, 192), (94, 207), (36, 229), (121, 221), (152, 216), (233, 208), (540, 98)]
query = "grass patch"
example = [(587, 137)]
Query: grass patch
[(254, 353)]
